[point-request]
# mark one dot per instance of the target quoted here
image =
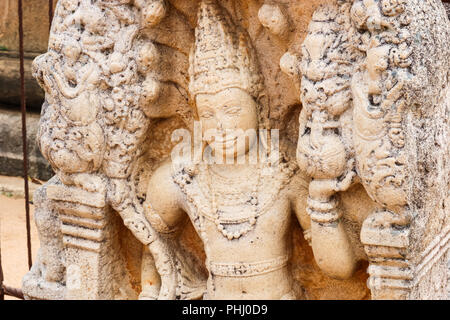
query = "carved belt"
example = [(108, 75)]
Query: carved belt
[(248, 269)]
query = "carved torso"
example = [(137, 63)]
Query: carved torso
[(235, 270)]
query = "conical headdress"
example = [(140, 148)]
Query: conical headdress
[(223, 56)]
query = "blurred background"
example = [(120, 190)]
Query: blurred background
[(13, 238), (36, 30)]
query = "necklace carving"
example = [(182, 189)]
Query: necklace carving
[(234, 204)]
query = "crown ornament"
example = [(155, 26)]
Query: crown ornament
[(223, 56)]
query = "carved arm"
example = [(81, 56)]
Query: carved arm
[(331, 246), (165, 216)]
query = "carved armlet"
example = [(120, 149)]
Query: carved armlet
[(323, 212)]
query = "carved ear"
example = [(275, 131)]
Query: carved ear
[(273, 18)]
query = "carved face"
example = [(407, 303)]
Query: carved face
[(229, 113)]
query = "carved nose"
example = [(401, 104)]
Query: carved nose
[(37, 67)]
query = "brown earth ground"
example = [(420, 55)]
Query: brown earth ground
[(13, 240)]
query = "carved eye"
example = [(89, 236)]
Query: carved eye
[(232, 110)]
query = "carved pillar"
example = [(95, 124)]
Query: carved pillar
[(399, 140), (87, 226), (80, 255), (386, 243)]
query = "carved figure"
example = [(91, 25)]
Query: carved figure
[(232, 206), (367, 181)]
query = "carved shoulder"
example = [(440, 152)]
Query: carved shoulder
[(164, 197)]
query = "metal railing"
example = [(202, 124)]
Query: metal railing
[(4, 289)]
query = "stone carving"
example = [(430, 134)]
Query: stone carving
[(125, 219), (230, 206), (272, 17), (379, 137), (93, 121), (357, 76)]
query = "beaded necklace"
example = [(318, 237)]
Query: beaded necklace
[(226, 225)]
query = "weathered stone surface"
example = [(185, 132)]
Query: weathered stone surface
[(447, 7), (360, 183), (36, 27)]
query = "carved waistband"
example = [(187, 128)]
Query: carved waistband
[(248, 269)]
